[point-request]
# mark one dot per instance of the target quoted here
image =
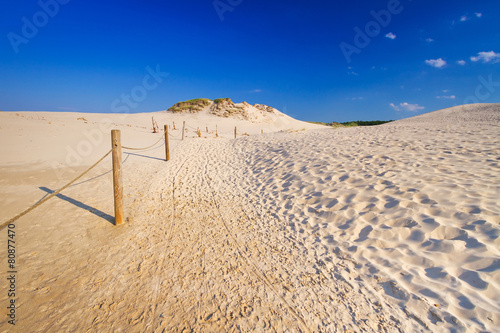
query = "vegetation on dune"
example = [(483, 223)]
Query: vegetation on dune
[(352, 123), (192, 105), (224, 107), (317, 123), (365, 123), (220, 100)]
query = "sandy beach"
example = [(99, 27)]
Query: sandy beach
[(290, 227)]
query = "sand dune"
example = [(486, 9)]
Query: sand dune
[(413, 204), (388, 228)]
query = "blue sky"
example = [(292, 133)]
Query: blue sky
[(306, 58)]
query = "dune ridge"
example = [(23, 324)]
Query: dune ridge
[(225, 107)]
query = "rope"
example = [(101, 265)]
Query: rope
[(143, 148), (51, 195)]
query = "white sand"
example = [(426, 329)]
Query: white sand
[(388, 228)]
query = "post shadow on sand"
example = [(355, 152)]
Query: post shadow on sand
[(80, 204)]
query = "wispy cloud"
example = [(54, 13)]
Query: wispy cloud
[(351, 72), (429, 40), (256, 91), (486, 57), (390, 35), (438, 63), (461, 62), (357, 98), (406, 107), (479, 15), (446, 97), (464, 18)]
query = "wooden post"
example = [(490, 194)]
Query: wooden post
[(167, 149), (174, 124), (155, 125), (207, 129), (117, 175), (183, 127), (261, 131), (216, 131), (235, 132)]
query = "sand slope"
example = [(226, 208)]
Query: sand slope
[(413, 204), (389, 228)]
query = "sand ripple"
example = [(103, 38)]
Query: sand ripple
[(412, 204)]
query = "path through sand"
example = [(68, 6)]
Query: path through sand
[(207, 257)]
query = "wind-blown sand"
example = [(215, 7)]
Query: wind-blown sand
[(388, 228)]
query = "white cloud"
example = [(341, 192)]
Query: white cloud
[(357, 98), (391, 35), (406, 107), (465, 18), (256, 91), (487, 57), (461, 62), (446, 97), (446, 90), (429, 40), (438, 63)]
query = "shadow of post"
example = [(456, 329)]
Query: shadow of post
[(80, 204)]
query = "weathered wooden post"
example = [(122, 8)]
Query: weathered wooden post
[(235, 132), (155, 125), (117, 175), (174, 124), (261, 131), (207, 129), (216, 131), (167, 149), (183, 127)]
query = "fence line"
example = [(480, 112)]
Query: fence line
[(42, 201), (52, 194), (167, 152), (129, 148)]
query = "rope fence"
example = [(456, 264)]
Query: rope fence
[(116, 152), (130, 148), (52, 194)]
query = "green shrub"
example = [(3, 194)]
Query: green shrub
[(359, 123), (192, 105)]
